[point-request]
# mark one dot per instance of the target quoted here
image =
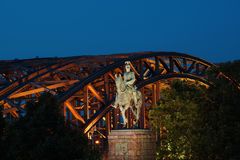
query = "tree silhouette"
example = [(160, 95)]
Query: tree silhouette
[(198, 123), (43, 134)]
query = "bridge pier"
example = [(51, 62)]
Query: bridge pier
[(131, 144)]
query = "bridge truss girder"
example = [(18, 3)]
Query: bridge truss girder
[(85, 86)]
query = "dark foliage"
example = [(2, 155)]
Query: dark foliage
[(176, 117), (232, 69), (198, 123), (43, 134), (219, 126), (2, 123)]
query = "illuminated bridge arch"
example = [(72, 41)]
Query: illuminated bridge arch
[(85, 85), (97, 91), (25, 80)]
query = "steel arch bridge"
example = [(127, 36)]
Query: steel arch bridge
[(85, 84)]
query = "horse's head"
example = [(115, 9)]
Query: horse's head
[(119, 82)]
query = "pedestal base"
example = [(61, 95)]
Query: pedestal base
[(131, 144)]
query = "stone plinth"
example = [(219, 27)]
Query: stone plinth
[(131, 144)]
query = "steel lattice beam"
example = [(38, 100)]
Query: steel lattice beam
[(86, 85)]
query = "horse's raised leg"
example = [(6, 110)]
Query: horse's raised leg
[(115, 104)]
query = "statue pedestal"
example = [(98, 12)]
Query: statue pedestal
[(131, 144)]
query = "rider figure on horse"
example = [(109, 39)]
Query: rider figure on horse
[(127, 94), (129, 80)]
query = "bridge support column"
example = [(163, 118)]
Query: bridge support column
[(115, 118), (106, 100), (158, 91), (85, 101), (154, 101)]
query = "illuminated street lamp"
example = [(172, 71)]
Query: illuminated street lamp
[(97, 142)]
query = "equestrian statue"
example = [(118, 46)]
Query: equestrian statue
[(127, 95)]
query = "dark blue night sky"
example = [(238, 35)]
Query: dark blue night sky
[(209, 29)]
